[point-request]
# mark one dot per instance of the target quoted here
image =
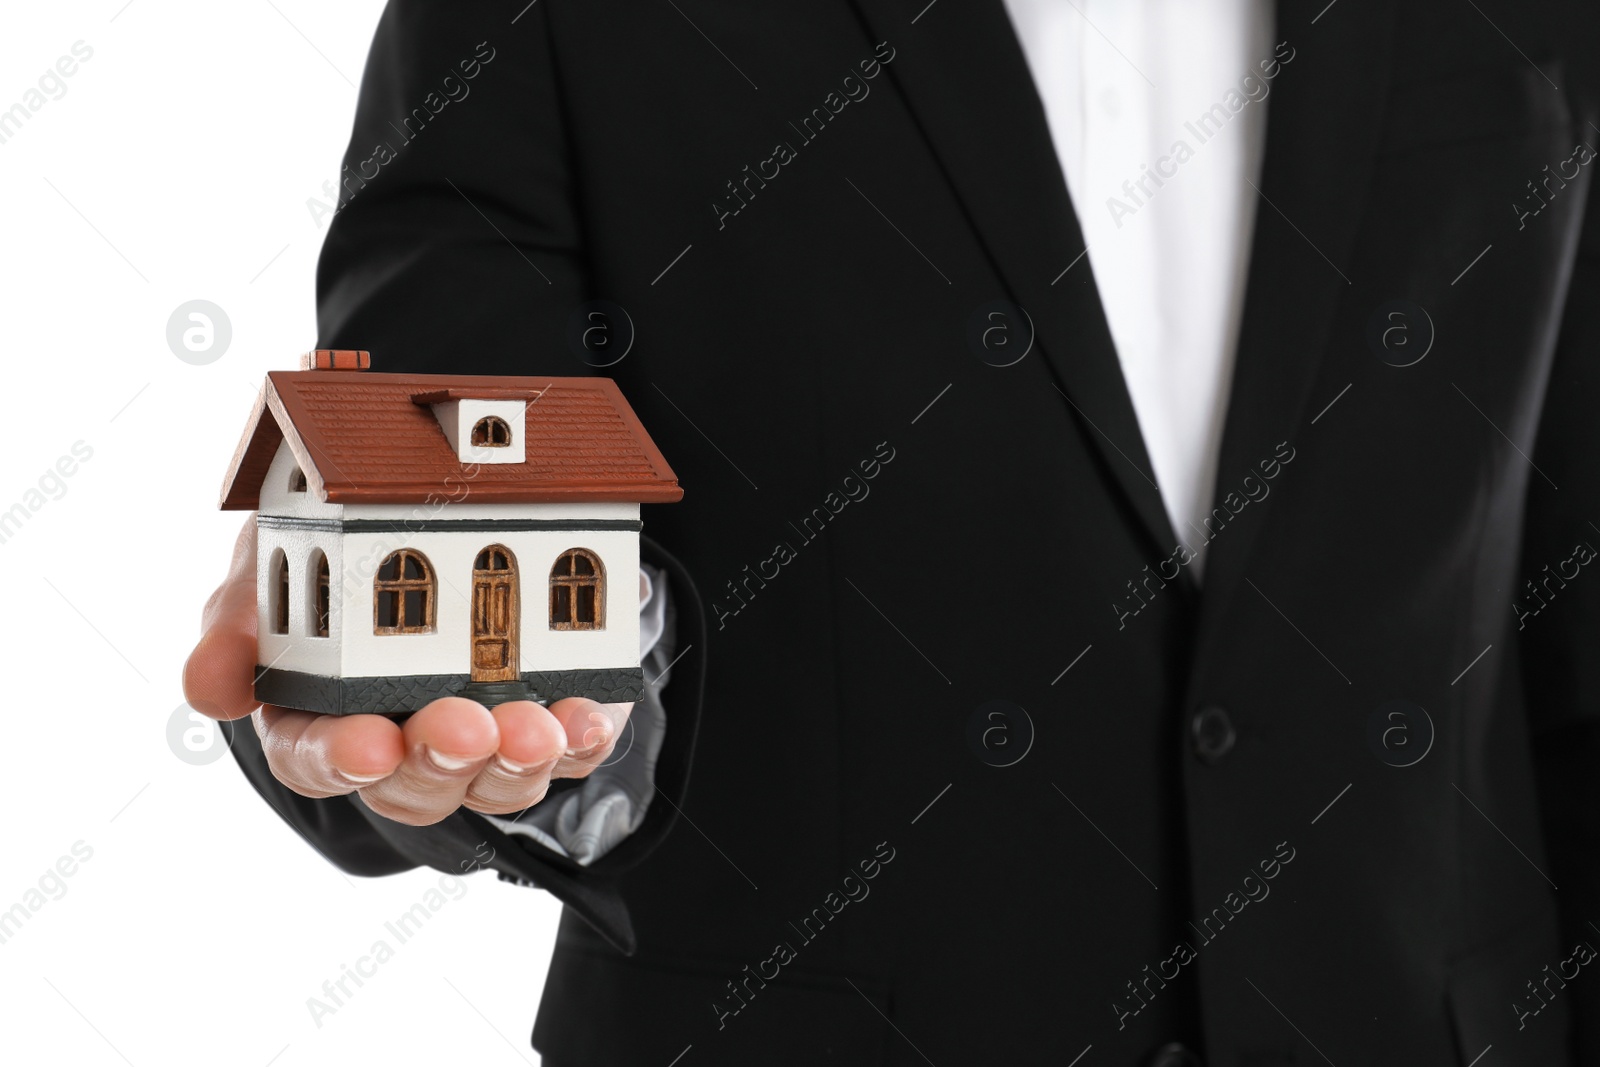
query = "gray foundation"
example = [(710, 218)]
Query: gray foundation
[(403, 695)]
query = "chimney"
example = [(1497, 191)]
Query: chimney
[(336, 359)]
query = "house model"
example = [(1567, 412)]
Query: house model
[(422, 536)]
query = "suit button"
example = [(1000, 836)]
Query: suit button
[(1212, 733), (1173, 1055)]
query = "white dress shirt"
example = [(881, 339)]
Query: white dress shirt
[(1123, 82)]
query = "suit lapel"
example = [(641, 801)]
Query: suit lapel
[(1323, 123), (965, 79)]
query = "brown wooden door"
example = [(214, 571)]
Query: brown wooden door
[(494, 616)]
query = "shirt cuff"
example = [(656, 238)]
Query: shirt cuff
[(586, 822)]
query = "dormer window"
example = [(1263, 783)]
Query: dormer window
[(491, 432), (484, 424), (297, 481)]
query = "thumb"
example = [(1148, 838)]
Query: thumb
[(219, 675)]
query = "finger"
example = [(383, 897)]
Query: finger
[(446, 744), (591, 729), (219, 675), (328, 755), (531, 742)]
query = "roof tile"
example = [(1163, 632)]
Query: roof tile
[(367, 438)]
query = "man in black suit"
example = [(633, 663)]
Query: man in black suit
[(945, 806)]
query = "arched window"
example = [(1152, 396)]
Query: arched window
[(577, 591), (402, 594), (318, 602), (491, 432), (279, 600), (297, 481)]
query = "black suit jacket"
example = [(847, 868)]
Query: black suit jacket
[(1222, 829)]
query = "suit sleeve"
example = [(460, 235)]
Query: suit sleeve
[(358, 840), (1561, 643), (603, 809), (456, 247)]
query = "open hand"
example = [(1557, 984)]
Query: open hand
[(453, 753)]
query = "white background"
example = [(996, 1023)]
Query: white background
[(176, 167)]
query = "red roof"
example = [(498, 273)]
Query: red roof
[(369, 438)]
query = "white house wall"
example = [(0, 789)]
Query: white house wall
[(353, 651), (451, 555), (277, 500), (299, 649)]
